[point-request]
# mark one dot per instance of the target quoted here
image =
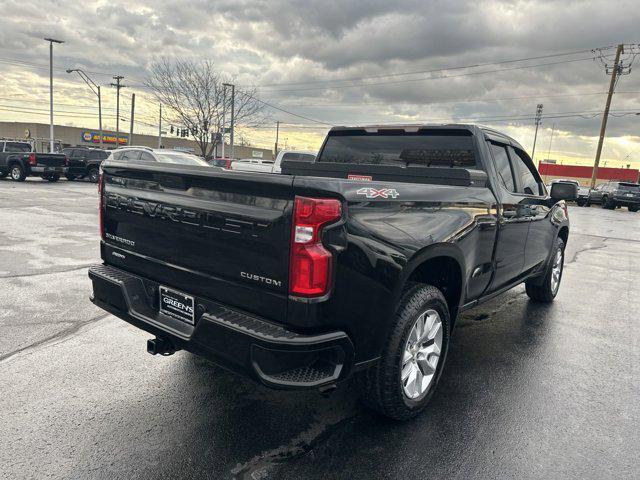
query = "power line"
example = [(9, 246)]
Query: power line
[(418, 72), (440, 77)]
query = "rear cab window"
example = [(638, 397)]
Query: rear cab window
[(17, 147), (425, 147)]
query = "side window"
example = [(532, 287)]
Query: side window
[(305, 157), (1, 146), (503, 166), (130, 155), (523, 169), (117, 155), (147, 157)]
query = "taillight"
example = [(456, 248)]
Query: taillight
[(32, 159), (66, 161), (227, 164), (101, 202), (310, 268)]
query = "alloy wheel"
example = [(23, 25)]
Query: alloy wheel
[(421, 354), (556, 271)]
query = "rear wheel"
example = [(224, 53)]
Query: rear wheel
[(608, 204), (403, 381), (52, 177), (70, 177), (17, 173), (633, 208), (93, 175), (548, 289)]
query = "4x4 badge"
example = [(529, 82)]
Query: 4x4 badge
[(378, 192)]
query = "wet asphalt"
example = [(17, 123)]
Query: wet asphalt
[(529, 391)]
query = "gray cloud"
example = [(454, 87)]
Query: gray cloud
[(262, 42)]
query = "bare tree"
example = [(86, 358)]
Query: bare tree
[(193, 95)]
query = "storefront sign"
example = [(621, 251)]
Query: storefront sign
[(94, 137)]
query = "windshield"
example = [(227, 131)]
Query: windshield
[(180, 158), (629, 187), (433, 148), (17, 147)]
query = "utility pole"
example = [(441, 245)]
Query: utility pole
[(612, 85), (233, 98), (51, 42), (277, 133), (96, 90), (133, 105), (160, 128), (535, 136), (118, 86), (224, 109)]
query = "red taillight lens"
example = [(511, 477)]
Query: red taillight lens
[(227, 164), (32, 159), (101, 203), (310, 268)]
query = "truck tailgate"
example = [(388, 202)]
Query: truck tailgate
[(50, 159), (221, 235)]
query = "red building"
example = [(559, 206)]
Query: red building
[(552, 171)]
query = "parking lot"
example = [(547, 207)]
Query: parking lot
[(529, 391)]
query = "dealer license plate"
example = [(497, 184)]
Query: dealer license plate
[(177, 304)]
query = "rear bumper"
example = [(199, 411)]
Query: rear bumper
[(244, 343), (41, 170)]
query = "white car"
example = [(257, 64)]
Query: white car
[(272, 166), (161, 155)]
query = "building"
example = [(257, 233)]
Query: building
[(552, 171), (72, 136)]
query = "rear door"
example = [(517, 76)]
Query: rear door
[(513, 223)]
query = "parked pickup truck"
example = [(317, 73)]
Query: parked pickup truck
[(19, 161), (355, 265), (84, 162), (272, 166)]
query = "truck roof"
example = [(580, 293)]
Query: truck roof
[(472, 127)]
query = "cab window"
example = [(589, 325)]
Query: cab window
[(524, 171), (503, 167)]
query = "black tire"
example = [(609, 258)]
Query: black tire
[(580, 203), (17, 173), (546, 292), (93, 175), (608, 204), (52, 177), (633, 209), (381, 386), (71, 178)]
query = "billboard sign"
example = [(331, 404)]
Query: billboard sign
[(94, 137)]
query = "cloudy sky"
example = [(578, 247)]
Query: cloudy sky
[(333, 62)]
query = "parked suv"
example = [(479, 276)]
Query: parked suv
[(160, 155), (613, 195), (84, 162)]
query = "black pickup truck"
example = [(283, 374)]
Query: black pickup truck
[(84, 162), (19, 161), (355, 265)]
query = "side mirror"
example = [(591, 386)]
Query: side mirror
[(564, 191)]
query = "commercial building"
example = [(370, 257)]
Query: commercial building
[(72, 136), (552, 171)]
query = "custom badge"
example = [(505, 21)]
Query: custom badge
[(370, 192)]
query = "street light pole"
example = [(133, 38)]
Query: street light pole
[(231, 128), (118, 86), (96, 90), (51, 42)]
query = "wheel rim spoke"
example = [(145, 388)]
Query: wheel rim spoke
[(421, 354)]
